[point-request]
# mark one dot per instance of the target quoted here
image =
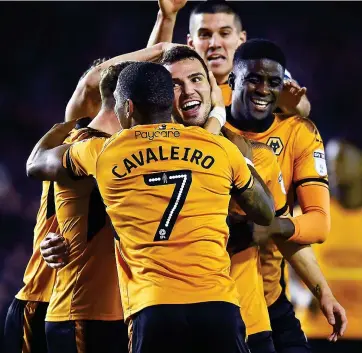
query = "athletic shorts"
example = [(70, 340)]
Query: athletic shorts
[(288, 335), (25, 327), (210, 327), (87, 336)]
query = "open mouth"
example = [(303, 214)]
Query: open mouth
[(216, 59), (191, 108), (260, 104)]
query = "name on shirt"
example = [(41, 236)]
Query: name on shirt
[(151, 155)]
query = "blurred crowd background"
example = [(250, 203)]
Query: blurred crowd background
[(46, 46)]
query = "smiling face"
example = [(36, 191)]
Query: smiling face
[(258, 84), (192, 103), (216, 37)]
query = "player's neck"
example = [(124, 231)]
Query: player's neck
[(350, 197), (106, 121), (221, 79), (251, 125)]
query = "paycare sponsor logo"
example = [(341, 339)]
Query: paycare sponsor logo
[(151, 135)]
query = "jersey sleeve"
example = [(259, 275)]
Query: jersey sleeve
[(241, 175), (309, 158), (311, 181), (314, 224), (81, 158)]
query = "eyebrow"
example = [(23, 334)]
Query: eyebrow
[(196, 74), (259, 75), (207, 29)]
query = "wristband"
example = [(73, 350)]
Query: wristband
[(219, 114)]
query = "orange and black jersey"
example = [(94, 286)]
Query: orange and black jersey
[(300, 152), (39, 278), (87, 287), (268, 168), (245, 262), (167, 190)]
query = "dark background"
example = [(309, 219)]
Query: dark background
[(46, 46)]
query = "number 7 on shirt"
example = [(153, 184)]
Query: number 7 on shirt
[(182, 180)]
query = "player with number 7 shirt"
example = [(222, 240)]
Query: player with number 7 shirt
[(168, 201)]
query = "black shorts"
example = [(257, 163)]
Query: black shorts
[(25, 327), (87, 336), (261, 342), (288, 335), (211, 327)]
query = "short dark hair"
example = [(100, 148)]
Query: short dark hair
[(93, 65), (108, 82), (256, 49), (180, 53), (214, 7), (149, 86)]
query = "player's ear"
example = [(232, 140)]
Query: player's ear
[(231, 80), (128, 114), (242, 37), (129, 109), (190, 42)]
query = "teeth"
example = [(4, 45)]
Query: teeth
[(189, 104), (258, 102)]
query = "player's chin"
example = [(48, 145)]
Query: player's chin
[(259, 115), (222, 69), (195, 121)]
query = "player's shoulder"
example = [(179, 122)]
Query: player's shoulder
[(302, 128), (263, 149), (263, 155), (298, 122), (217, 142), (85, 133)]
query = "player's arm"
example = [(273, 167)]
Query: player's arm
[(293, 99), (45, 160), (86, 100), (257, 201), (50, 160), (165, 22), (281, 225), (311, 182), (249, 190), (304, 262), (310, 227)]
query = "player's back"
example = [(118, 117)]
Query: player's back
[(167, 190), (82, 290), (39, 278)]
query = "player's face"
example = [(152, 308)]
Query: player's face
[(192, 103), (258, 84), (215, 37)]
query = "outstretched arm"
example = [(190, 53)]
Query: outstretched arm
[(86, 99), (165, 22), (304, 262)]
